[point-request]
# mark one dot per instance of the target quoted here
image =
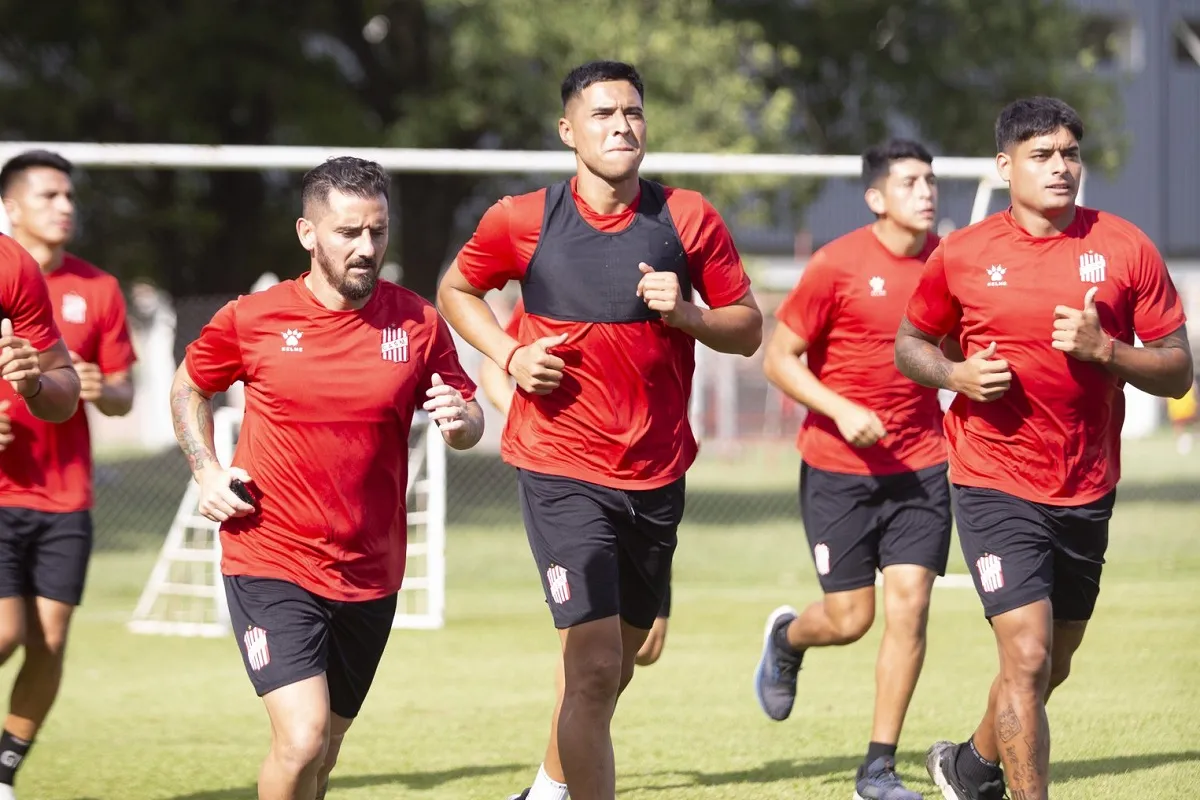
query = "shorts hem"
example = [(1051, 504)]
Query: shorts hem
[(937, 569), (586, 618), (846, 586), (1013, 605), (304, 675), (633, 624)]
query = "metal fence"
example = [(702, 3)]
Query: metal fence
[(746, 474)]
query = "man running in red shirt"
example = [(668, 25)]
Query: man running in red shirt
[(598, 428), (873, 489), (46, 469), (335, 363), (34, 360), (1048, 296)]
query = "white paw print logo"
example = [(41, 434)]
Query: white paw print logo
[(291, 340), (877, 289), (996, 275)]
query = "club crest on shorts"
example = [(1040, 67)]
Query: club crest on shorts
[(560, 590), (991, 572), (393, 345), (821, 557), (257, 652)]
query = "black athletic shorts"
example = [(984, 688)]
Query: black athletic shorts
[(287, 634), (664, 610), (1020, 552), (601, 552), (44, 554), (857, 524)]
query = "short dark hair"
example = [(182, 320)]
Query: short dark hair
[(31, 159), (585, 75), (877, 160), (1024, 119), (346, 174)]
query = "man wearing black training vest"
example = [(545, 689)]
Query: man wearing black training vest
[(598, 429)]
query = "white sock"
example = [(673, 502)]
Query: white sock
[(546, 788)]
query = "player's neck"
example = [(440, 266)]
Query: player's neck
[(48, 257), (328, 296), (605, 197), (1040, 225), (899, 241)]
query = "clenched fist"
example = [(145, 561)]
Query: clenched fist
[(535, 368), (859, 426), (218, 501), (91, 379), (981, 377), (660, 292), (19, 362), (445, 405)]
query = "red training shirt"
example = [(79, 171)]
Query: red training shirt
[(24, 297), (330, 397), (48, 466), (847, 306), (627, 428), (1054, 436)]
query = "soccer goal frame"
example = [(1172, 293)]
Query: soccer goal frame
[(188, 567)]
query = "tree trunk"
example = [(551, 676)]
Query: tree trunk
[(428, 204)]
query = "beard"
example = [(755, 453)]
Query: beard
[(351, 287)]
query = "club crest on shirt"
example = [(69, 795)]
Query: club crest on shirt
[(74, 308), (393, 345), (1091, 267)]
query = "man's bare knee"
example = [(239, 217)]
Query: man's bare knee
[(906, 596), (1025, 663), (337, 734), (1068, 636), (851, 621), (301, 746), (594, 674), (12, 626)]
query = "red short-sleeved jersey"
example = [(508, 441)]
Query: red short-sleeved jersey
[(330, 397), (24, 298), (48, 466), (626, 425), (1054, 436), (847, 307)]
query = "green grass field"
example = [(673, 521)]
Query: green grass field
[(461, 712)]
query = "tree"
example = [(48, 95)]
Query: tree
[(722, 75), (857, 67)]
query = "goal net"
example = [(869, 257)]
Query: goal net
[(184, 594)]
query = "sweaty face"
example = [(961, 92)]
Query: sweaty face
[(606, 127), (41, 203), (350, 238), (909, 195), (1043, 172)]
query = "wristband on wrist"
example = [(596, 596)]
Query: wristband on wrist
[(508, 361), (36, 393)]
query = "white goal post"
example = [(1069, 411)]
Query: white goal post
[(184, 595)]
